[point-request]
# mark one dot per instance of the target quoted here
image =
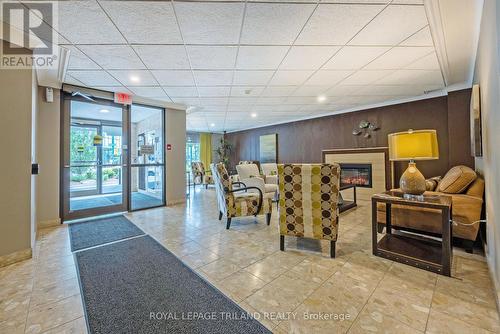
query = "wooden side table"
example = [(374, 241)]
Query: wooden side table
[(345, 204), (412, 249)]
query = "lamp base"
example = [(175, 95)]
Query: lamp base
[(412, 181)]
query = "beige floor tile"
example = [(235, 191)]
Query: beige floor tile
[(242, 284), (220, 269), (282, 295), (55, 292), (473, 314), (14, 325), (14, 305), (199, 258), (377, 322), (440, 323), (77, 326), (466, 291), (49, 316), (409, 311)]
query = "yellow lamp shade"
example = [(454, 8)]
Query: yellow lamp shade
[(413, 145)]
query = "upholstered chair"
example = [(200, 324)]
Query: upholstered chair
[(238, 202), (308, 206), (200, 176), (249, 175)]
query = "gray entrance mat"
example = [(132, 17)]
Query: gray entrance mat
[(100, 231), (138, 286)]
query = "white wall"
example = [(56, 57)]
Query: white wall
[(487, 76), (48, 137), (175, 135)]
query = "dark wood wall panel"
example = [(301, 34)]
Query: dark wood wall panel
[(303, 141)]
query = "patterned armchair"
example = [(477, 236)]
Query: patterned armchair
[(238, 202), (199, 174), (308, 202)]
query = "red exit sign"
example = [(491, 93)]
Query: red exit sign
[(123, 98)]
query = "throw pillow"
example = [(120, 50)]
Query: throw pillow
[(431, 184), (457, 180)]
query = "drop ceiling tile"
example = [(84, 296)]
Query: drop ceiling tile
[(94, 78), (399, 57), (336, 24), (274, 23), (283, 78), (307, 57), (383, 2), (248, 91), (209, 23), (163, 57), (212, 57), (84, 22), (252, 77), (213, 101), (214, 91), (144, 21), (174, 78), (354, 57), (237, 102), (117, 89), (78, 60), (148, 91), (421, 38), (327, 78), (366, 77), (213, 78), (181, 91), (189, 101), (278, 90), (392, 26), (134, 77), (265, 100), (301, 100), (260, 57), (343, 90), (71, 80), (413, 77), (429, 62), (310, 90), (113, 57)]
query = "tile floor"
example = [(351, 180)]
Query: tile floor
[(297, 291)]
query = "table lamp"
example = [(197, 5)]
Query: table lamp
[(410, 146)]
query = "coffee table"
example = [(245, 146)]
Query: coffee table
[(412, 248)]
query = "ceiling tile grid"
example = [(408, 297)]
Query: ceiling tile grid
[(279, 60)]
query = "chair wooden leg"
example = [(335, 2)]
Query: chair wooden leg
[(220, 215), (268, 218), (228, 224), (282, 242), (332, 249), (206, 186)]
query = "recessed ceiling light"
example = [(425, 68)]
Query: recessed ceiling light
[(104, 110), (321, 98), (253, 115), (134, 78), (212, 125)]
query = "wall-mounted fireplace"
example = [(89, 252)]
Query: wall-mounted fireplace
[(359, 175)]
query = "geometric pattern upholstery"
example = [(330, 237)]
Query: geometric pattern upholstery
[(236, 204), (199, 174), (308, 202)]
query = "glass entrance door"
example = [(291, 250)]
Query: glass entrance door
[(147, 171), (94, 158)]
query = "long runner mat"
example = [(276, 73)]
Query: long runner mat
[(138, 286), (101, 231)]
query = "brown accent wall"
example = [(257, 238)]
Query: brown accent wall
[(303, 141)]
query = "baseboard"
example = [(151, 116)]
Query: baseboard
[(11, 258), (49, 223), (176, 201)]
